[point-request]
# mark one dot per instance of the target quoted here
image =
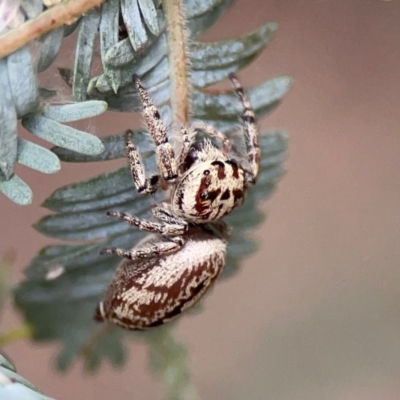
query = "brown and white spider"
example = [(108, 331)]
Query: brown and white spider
[(170, 270)]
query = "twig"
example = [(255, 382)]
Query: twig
[(7, 260), (95, 336), (169, 358), (66, 12), (24, 331), (178, 60)]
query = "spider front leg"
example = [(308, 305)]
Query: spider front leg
[(164, 151), (250, 130), (143, 185)]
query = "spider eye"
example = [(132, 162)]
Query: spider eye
[(206, 172), (203, 195)]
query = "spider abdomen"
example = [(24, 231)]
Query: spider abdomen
[(152, 291), (208, 191)]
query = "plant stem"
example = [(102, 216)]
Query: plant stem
[(7, 260), (22, 332), (66, 12), (169, 359), (95, 336), (178, 60)]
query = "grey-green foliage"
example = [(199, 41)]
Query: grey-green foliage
[(64, 282), (21, 99), (14, 386), (169, 358)]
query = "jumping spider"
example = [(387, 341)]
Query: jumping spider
[(171, 269)]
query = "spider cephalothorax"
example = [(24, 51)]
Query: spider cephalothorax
[(206, 183), (211, 188)]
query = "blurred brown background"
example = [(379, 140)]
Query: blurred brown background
[(315, 313)]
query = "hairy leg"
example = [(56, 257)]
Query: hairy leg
[(250, 129), (164, 151), (174, 228), (170, 230), (164, 215), (155, 249), (143, 184), (187, 141), (209, 130)]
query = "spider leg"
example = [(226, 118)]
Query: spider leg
[(170, 230), (250, 129), (174, 228), (199, 126), (162, 214), (143, 185), (155, 249), (164, 151), (187, 141)]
